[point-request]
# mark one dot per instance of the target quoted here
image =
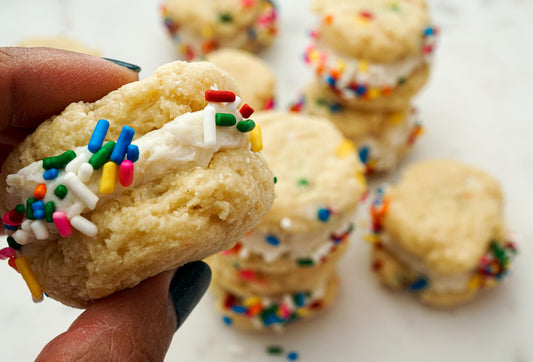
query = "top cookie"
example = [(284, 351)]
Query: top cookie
[(445, 213), (193, 193), (378, 31)]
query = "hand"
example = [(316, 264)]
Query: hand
[(134, 324)]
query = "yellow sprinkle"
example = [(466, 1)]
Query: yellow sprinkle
[(341, 65), (475, 282), (250, 301), (360, 177), (371, 238), (397, 117), (373, 93), (302, 312), (490, 283), (29, 278), (109, 173), (361, 20), (207, 32), (345, 148), (256, 138), (314, 55), (363, 66)]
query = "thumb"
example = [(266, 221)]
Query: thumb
[(134, 324)]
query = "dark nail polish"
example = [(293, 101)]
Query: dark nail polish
[(130, 66), (187, 288)]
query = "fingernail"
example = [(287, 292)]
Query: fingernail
[(187, 288), (130, 66)]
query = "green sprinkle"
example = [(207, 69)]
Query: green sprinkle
[(29, 210), (225, 17), (19, 209), (59, 161), (402, 80), (275, 180), (321, 102), (499, 252), (61, 191), (303, 182), (225, 119), (274, 350), (13, 243), (306, 262), (102, 156), (394, 7), (49, 209), (246, 126)]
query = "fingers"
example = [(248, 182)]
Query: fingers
[(135, 324), (36, 83)]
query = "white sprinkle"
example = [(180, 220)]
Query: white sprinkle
[(237, 351), (40, 230), (22, 237), (210, 127), (74, 165), (79, 189), (26, 225), (84, 226), (235, 104), (286, 223), (85, 171)]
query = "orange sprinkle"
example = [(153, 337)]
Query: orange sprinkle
[(386, 91), (40, 191), (328, 19)]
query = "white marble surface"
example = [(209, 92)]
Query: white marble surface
[(476, 108)]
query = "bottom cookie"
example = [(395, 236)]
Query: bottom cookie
[(257, 313)]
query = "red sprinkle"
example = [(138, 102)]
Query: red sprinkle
[(15, 217), (366, 14), (219, 96), (246, 111), (12, 264)]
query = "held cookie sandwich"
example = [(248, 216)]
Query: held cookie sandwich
[(156, 174), (285, 268), (201, 26), (440, 233)]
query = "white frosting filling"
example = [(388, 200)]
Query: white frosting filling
[(178, 145), (375, 74), (437, 282), (312, 245)]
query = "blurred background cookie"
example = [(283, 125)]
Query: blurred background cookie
[(199, 27), (440, 233), (254, 77), (58, 42), (295, 248)]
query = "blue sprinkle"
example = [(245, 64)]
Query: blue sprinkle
[(252, 34), (361, 90), (364, 152), (331, 81), (227, 320), (11, 227), (270, 318), (133, 153), (324, 214), (420, 284), (98, 136), (299, 299), (50, 174), (272, 240), (335, 108), (239, 309), (292, 356), (38, 214), (428, 31), (124, 140), (38, 209)]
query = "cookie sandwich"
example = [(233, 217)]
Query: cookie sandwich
[(154, 175)]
